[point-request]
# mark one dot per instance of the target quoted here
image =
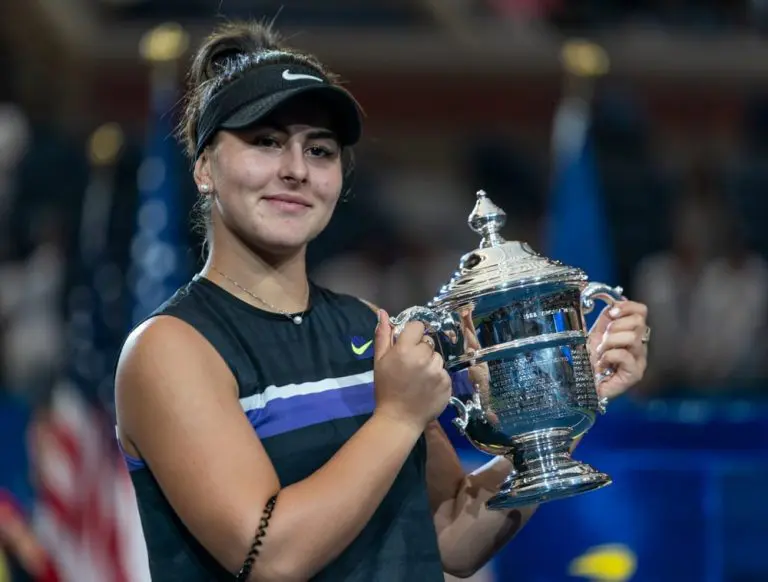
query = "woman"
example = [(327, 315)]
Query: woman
[(328, 474)]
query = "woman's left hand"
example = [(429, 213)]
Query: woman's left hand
[(618, 340)]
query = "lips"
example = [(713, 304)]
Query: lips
[(288, 199)]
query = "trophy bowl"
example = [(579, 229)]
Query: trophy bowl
[(510, 327)]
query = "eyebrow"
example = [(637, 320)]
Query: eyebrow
[(311, 134), (321, 134)]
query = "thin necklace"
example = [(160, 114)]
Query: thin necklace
[(297, 319)]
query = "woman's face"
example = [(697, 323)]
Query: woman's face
[(274, 185)]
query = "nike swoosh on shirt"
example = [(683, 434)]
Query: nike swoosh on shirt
[(359, 351)]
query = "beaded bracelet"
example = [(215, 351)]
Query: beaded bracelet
[(245, 571)]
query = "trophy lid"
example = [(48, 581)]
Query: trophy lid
[(498, 264)]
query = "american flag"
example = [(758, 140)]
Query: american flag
[(86, 515)]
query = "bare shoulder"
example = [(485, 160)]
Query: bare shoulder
[(162, 361), (161, 337), (154, 333)]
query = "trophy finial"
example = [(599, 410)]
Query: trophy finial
[(487, 220)]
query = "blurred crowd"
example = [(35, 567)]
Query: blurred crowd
[(680, 15), (691, 242)]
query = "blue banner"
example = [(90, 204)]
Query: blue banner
[(577, 229), (158, 250), (686, 503)]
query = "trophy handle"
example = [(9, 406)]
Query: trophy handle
[(434, 322), (602, 291), (610, 295), (465, 411), (462, 415)]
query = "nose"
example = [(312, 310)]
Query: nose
[(293, 167)]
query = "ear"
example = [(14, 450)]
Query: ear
[(202, 173)]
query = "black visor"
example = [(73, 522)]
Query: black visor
[(260, 90)]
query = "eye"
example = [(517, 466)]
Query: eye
[(266, 141), (321, 151)]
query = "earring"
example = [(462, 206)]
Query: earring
[(205, 188)]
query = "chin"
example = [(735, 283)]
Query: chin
[(283, 244), (288, 235), (276, 236)]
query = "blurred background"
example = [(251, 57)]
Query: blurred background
[(644, 162)]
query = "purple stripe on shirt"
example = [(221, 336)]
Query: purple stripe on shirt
[(282, 415), (131, 462)]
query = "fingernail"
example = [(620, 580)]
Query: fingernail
[(614, 312)]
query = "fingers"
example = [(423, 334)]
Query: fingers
[(621, 347), (624, 308), (436, 363), (429, 341), (620, 359), (627, 340), (634, 322), (412, 334), (384, 336), (425, 349), (628, 370), (625, 332)]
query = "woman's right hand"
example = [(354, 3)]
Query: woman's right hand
[(410, 379)]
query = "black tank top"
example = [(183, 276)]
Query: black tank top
[(306, 389)]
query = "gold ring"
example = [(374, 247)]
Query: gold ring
[(428, 340)]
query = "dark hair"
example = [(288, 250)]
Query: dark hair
[(226, 54)]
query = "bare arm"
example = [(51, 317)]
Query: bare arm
[(468, 533), (177, 403)]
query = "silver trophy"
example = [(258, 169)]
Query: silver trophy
[(510, 326)]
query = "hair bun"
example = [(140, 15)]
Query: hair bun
[(229, 42)]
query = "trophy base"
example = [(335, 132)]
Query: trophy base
[(544, 471)]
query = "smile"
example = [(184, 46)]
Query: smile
[(290, 204)]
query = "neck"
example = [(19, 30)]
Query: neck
[(280, 281)]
